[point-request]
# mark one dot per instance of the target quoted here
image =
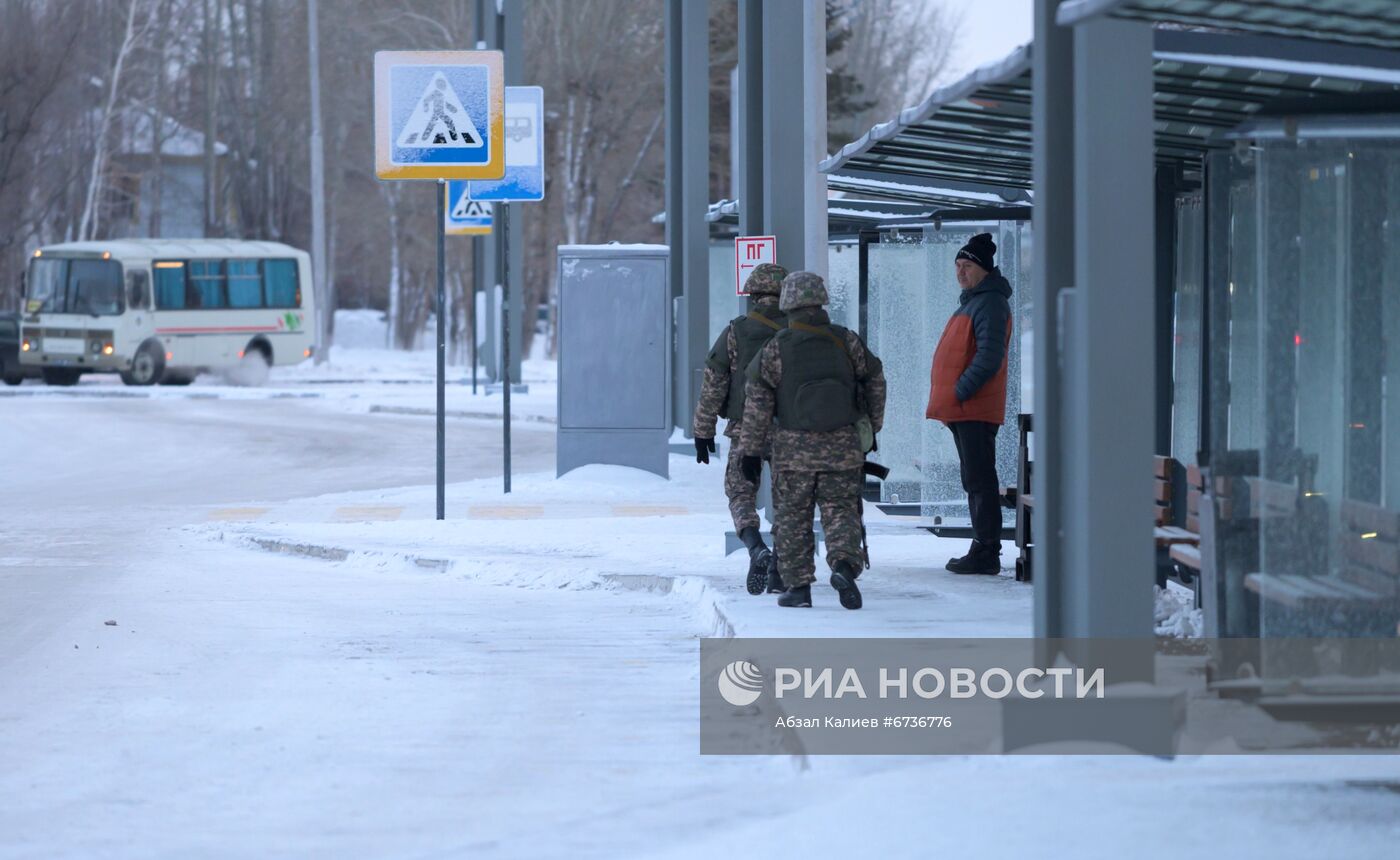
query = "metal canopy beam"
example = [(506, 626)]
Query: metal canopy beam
[(1205, 85), (1374, 23)]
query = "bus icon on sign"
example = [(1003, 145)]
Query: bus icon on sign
[(519, 127), (750, 252)]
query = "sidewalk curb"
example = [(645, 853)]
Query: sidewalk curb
[(703, 600), (381, 409)]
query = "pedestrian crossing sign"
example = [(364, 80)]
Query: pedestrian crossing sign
[(439, 114), (465, 216)]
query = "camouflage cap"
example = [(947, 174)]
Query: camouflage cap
[(766, 280), (803, 290)]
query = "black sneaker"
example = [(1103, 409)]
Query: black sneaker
[(843, 579), (759, 563), (962, 559), (799, 596), (775, 580), (984, 560)]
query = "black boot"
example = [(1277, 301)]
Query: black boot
[(775, 580), (759, 556), (760, 561), (985, 559), (962, 559), (799, 596), (843, 579)]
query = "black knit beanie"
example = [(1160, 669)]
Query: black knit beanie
[(981, 250)]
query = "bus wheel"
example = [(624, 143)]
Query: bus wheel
[(61, 375), (146, 368)]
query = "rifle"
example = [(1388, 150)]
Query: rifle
[(874, 470)]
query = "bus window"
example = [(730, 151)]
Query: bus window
[(280, 283), (170, 285), (95, 287), (244, 285), (207, 284), (45, 285)]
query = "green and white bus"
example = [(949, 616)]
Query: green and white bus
[(162, 310)]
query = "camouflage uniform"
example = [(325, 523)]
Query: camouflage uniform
[(812, 469), (764, 284)]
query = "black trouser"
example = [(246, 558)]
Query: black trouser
[(977, 454)]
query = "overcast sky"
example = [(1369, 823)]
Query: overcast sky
[(991, 29)]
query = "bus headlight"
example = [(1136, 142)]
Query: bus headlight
[(106, 349), (96, 347), (26, 346)]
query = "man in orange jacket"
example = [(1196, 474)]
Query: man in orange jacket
[(968, 393)]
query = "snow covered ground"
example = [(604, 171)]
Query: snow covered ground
[(304, 663)]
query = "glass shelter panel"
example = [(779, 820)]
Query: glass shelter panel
[(1186, 329), (1325, 499), (913, 292)]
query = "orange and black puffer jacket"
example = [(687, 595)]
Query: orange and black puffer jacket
[(969, 367)]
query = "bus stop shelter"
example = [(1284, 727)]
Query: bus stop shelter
[(1145, 177)]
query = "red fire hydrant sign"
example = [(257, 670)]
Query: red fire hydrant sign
[(750, 252)]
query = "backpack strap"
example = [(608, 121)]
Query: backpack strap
[(760, 318), (822, 330)]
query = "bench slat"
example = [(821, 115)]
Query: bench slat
[(1381, 583), (1162, 491), (1373, 552), (1187, 554), (1193, 477), (1362, 517), (1271, 587)]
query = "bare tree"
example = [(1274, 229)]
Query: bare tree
[(131, 34), (896, 49)]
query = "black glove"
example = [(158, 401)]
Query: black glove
[(703, 449), (752, 467)]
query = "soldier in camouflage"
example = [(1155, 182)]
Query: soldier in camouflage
[(819, 381), (722, 393)]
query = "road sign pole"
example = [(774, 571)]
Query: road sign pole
[(476, 270), (505, 339), (442, 350)]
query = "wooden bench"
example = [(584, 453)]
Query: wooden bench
[(1360, 597), (1021, 499)]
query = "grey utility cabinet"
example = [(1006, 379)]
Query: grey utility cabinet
[(614, 357)]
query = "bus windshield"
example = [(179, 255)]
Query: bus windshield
[(58, 286)]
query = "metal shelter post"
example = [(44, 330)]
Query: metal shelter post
[(750, 119), (784, 130), (1052, 119), (1107, 424), (687, 194)]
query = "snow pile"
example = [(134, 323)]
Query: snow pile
[(1174, 612), (360, 328)]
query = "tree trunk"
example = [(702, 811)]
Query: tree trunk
[(87, 227)]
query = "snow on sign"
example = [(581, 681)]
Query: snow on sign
[(465, 216), (750, 252), (439, 115), (524, 178)]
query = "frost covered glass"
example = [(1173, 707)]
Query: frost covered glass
[(913, 292), (1314, 524), (1186, 329)]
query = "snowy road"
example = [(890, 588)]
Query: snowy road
[(252, 704)]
